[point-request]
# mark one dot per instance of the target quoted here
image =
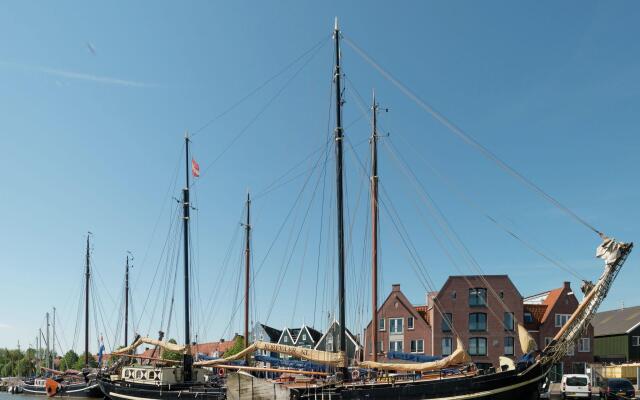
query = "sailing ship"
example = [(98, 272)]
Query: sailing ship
[(133, 382), (70, 383), (451, 377)]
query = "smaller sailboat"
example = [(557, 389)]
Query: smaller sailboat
[(181, 381), (71, 383)]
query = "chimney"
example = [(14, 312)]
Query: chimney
[(395, 287), (222, 340), (567, 285)]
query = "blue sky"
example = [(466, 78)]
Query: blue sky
[(96, 98)]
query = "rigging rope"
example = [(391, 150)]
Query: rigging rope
[(468, 139)]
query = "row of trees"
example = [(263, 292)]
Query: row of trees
[(25, 363)]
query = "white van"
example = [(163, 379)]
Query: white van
[(576, 386)]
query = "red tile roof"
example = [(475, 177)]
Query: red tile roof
[(212, 347), (537, 312), (550, 301)]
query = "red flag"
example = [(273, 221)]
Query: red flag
[(195, 168)]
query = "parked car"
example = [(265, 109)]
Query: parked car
[(576, 386), (616, 389)]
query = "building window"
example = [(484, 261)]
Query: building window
[(478, 346), (447, 321), (508, 345), (380, 346), (329, 343), (571, 350), (477, 297), (395, 325), (381, 324), (635, 341), (547, 341), (417, 346), (447, 343), (508, 321), (477, 322), (410, 323), (584, 345), (395, 345), (528, 318), (304, 337), (453, 295), (285, 339), (501, 294), (562, 319)]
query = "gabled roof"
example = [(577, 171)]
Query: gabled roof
[(273, 333), (295, 332), (404, 301), (547, 299), (616, 322), (537, 311), (212, 347), (315, 335), (482, 278)]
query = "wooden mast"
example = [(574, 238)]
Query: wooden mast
[(338, 134), (86, 305), (247, 266), (187, 358), (126, 302), (374, 233)]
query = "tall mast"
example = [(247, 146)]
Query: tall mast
[(39, 347), (187, 359), (339, 174), (86, 306), (126, 302), (53, 342), (374, 232), (247, 266), (48, 353)]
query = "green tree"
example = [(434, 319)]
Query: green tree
[(69, 360), (172, 355), (79, 365), (237, 347), (7, 369), (23, 367)]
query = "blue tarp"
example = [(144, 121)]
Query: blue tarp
[(305, 365), (398, 355)]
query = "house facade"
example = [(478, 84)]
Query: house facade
[(265, 333), (483, 311), (544, 315), (401, 327), (330, 341), (617, 335)]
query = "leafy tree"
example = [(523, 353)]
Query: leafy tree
[(79, 364), (7, 369), (172, 355), (237, 347), (23, 367), (69, 360)]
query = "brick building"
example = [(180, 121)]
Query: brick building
[(401, 327), (544, 314), (482, 311)]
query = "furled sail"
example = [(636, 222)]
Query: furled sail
[(319, 356), (155, 342), (459, 356), (527, 342)]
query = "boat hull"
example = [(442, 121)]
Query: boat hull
[(122, 390), (508, 385), (90, 389)]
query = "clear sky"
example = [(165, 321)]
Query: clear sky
[(95, 98)]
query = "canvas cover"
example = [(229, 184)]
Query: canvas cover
[(145, 340), (322, 357), (459, 356)]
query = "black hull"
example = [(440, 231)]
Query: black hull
[(120, 390), (87, 390), (507, 385)]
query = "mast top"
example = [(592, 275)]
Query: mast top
[(335, 24)]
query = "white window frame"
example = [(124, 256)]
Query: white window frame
[(304, 336), (513, 345), (393, 324), (450, 345), (479, 339), (329, 343), (381, 324), (561, 319), (513, 321), (411, 323), (393, 345), (414, 348), (581, 345), (635, 341)]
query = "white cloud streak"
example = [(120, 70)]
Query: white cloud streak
[(5, 326), (106, 80)]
